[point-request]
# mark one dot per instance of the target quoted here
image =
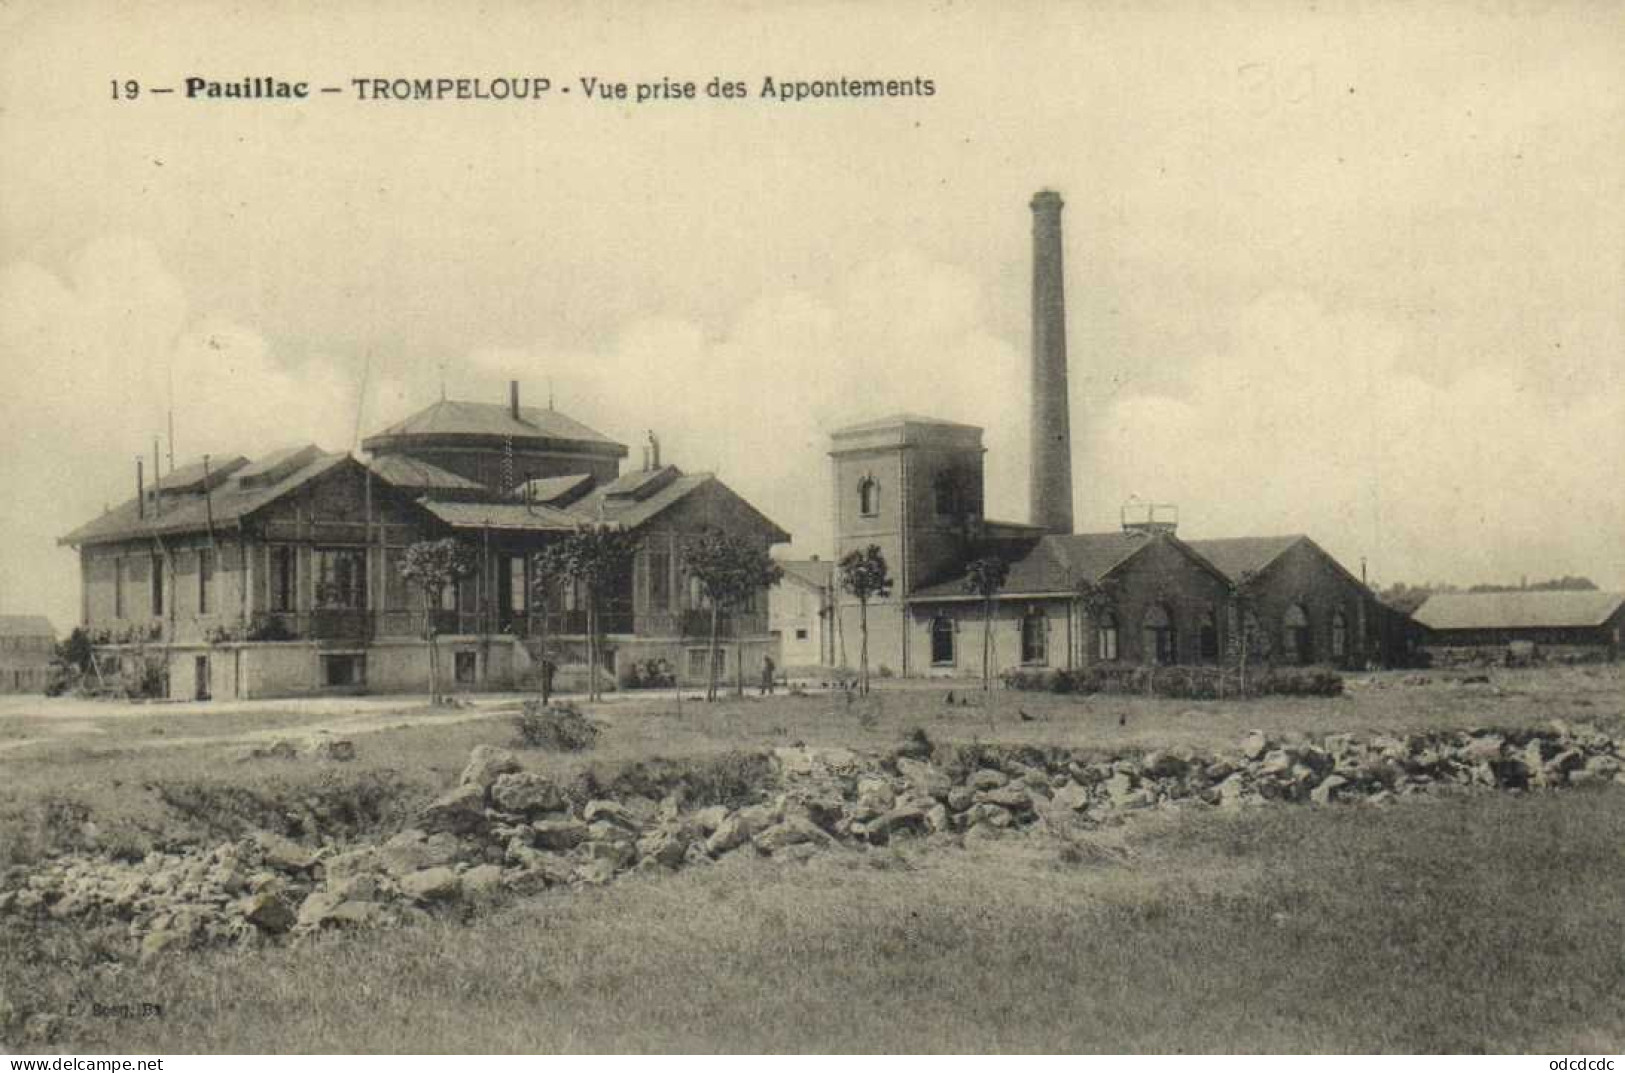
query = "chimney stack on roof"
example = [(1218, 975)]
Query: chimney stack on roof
[(513, 399), (140, 490), (1050, 484)]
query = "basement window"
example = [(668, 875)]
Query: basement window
[(344, 670)]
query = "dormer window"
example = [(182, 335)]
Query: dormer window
[(868, 497)]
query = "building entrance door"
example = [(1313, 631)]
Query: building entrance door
[(202, 683)]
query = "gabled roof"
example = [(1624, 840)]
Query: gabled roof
[(197, 475), (1055, 564), (404, 471), (1517, 610), (599, 507), (26, 626), (557, 491), (453, 417), (641, 484), (1234, 555), (814, 573), (534, 517), (188, 513)]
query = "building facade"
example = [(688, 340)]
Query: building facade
[(27, 647), (801, 615), (283, 576), (1582, 622)]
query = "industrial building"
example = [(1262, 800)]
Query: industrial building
[(27, 647), (914, 486), (281, 576), (1557, 622)]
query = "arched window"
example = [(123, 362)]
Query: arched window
[(1035, 637), (1157, 641), (1340, 636), (942, 641), (868, 497), (1209, 636), (1106, 637), (1295, 645)]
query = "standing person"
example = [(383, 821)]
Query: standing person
[(768, 668)]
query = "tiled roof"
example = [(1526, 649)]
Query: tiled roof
[(1517, 610), (405, 472), (451, 417), (558, 491), (1053, 564), (640, 484), (26, 626), (1233, 555), (192, 513), (815, 573), (598, 506), (512, 516)]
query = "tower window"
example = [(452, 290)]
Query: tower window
[(868, 497), (942, 641)]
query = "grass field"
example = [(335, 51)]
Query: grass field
[(1485, 924), (1490, 922), (122, 774)]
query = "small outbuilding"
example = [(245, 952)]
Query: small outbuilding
[(1590, 622), (27, 645)]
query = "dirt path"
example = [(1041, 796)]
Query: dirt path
[(325, 718)]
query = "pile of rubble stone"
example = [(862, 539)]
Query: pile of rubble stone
[(503, 831)]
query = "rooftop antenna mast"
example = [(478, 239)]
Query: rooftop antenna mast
[(361, 400), (171, 414)]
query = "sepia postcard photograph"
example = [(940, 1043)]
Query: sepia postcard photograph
[(738, 528)]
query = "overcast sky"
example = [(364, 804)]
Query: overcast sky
[(1355, 270)]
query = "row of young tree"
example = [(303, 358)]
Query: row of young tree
[(729, 570)]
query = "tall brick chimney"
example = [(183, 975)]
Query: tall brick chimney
[(1050, 486)]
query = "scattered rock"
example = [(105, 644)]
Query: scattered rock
[(1254, 745), (269, 912), (485, 764), (1326, 791), (559, 834), (283, 854), (432, 885), (526, 794), (460, 810)]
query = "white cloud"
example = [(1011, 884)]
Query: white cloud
[(1306, 422), (92, 356)]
